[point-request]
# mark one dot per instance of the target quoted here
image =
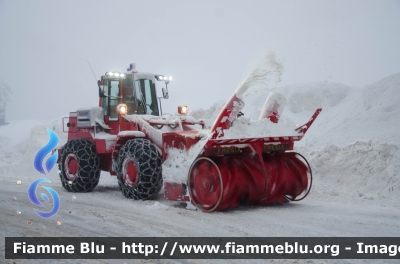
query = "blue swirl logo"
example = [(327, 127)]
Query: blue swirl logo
[(35, 200), (41, 154), (50, 162)]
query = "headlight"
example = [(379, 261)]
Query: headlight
[(166, 79), (122, 109), (115, 74), (183, 109)]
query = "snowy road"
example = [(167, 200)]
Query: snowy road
[(105, 212)]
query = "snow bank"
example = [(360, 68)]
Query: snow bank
[(18, 131), (14, 142), (9, 159), (38, 138), (314, 95), (20, 141), (383, 95), (366, 170), (356, 117)]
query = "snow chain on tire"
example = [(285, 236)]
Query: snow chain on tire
[(88, 172), (148, 160)]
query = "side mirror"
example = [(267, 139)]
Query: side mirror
[(101, 91), (165, 93)]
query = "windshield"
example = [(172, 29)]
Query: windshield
[(140, 96)]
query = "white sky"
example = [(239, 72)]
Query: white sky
[(207, 46)]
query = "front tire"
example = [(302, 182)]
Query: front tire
[(79, 166), (139, 169)]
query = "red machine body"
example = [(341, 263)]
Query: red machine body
[(226, 173)]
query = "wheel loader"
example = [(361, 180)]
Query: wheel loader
[(129, 137)]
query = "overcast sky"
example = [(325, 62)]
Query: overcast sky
[(207, 46)]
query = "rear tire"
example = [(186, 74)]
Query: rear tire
[(79, 166), (139, 169)]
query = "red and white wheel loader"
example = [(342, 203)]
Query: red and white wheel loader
[(127, 136)]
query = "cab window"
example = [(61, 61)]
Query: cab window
[(146, 96), (113, 92)]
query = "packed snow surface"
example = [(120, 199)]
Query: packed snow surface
[(353, 148)]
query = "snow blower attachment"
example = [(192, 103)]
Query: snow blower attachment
[(127, 136), (253, 171)]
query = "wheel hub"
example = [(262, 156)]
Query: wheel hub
[(129, 172), (208, 184), (71, 166)]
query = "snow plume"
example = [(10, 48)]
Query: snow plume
[(266, 75)]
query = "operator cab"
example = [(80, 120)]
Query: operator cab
[(136, 90), (139, 94)]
